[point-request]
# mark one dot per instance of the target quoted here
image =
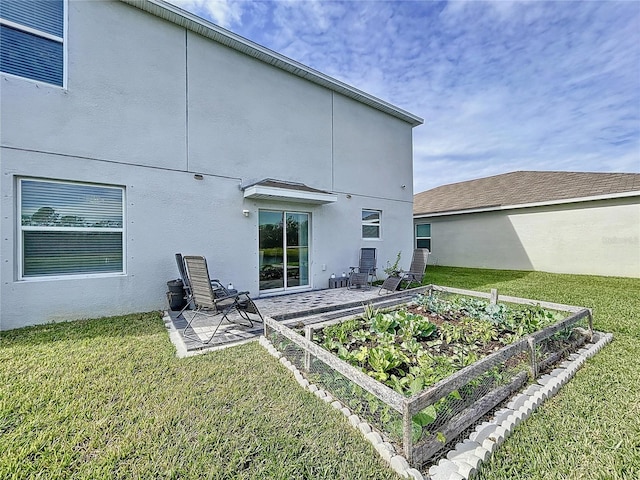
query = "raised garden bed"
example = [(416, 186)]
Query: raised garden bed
[(425, 372)]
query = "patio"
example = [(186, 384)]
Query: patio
[(293, 309)]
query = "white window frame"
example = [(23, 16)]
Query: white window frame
[(423, 238), (370, 223), (48, 36), (21, 228)]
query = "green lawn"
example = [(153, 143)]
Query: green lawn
[(591, 428), (108, 399)]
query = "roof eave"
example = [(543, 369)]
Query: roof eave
[(496, 208), (207, 29), (260, 192)]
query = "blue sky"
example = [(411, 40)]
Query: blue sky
[(502, 86)]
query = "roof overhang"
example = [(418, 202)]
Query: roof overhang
[(497, 208), (288, 192)]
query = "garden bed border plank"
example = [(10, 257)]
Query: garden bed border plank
[(505, 298), (459, 423), (384, 393), (444, 387)]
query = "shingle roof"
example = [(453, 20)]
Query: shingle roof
[(282, 190), (272, 182), (521, 188), (192, 22)]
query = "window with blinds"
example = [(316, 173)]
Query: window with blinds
[(70, 228), (32, 39)]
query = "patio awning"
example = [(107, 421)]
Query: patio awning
[(270, 189)]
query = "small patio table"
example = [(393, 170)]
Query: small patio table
[(338, 282)]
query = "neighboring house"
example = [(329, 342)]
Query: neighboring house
[(132, 130), (562, 222)]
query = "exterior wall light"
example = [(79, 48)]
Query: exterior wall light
[(197, 176), (245, 213)]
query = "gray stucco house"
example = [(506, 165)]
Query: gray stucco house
[(561, 222), (132, 130)]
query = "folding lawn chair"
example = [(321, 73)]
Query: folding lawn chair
[(414, 274), (207, 302), (417, 267), (362, 276)]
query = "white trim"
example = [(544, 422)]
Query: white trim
[(65, 46), (609, 196), (72, 277), (287, 289), (256, 192), (36, 82), (371, 223), (21, 228), (33, 31), (45, 228)]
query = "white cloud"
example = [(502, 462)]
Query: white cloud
[(226, 13)]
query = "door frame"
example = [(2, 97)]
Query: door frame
[(285, 288)]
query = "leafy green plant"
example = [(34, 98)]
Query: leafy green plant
[(395, 427), (451, 333), (369, 313), (412, 325), (432, 303), (361, 355), (383, 359), (393, 270), (409, 384), (426, 417), (384, 323), (341, 332), (361, 335), (411, 346)]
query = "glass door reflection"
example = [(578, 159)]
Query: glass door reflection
[(284, 249)]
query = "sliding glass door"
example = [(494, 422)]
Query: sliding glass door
[(284, 250)]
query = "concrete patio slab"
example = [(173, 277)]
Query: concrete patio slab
[(292, 309)]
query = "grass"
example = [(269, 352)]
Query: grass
[(107, 398), (591, 428)]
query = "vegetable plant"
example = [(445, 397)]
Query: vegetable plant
[(412, 348)]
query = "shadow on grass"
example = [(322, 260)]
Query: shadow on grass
[(132, 325)]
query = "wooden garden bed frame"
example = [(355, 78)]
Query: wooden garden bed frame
[(410, 406)]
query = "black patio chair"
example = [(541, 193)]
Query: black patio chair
[(362, 276), (414, 274), (417, 267), (218, 287)]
